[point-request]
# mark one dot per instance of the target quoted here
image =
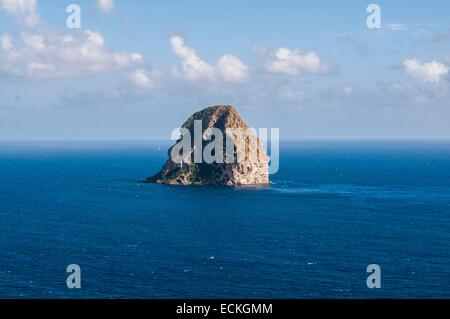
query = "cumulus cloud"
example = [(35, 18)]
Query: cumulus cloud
[(106, 5), (431, 72), (228, 69), (95, 38), (46, 55), (142, 79), (292, 62), (25, 10), (231, 69), (43, 53)]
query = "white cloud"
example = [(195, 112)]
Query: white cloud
[(293, 62), (68, 39), (39, 69), (432, 72), (228, 69), (46, 55), (95, 39), (25, 10), (33, 42), (106, 5), (348, 90), (19, 6), (193, 68), (401, 88), (231, 69), (141, 79), (6, 43), (396, 27)]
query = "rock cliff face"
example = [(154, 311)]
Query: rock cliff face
[(239, 160)]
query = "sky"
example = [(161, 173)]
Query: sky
[(137, 69)]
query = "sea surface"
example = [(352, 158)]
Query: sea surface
[(332, 209)]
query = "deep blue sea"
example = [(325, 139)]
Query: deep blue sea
[(332, 209)]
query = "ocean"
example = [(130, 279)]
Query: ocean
[(333, 208)]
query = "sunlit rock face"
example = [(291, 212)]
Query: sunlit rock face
[(220, 150)]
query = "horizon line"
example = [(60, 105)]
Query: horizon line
[(281, 140)]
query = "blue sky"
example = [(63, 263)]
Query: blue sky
[(137, 69)]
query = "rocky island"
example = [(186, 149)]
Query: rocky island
[(239, 156)]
